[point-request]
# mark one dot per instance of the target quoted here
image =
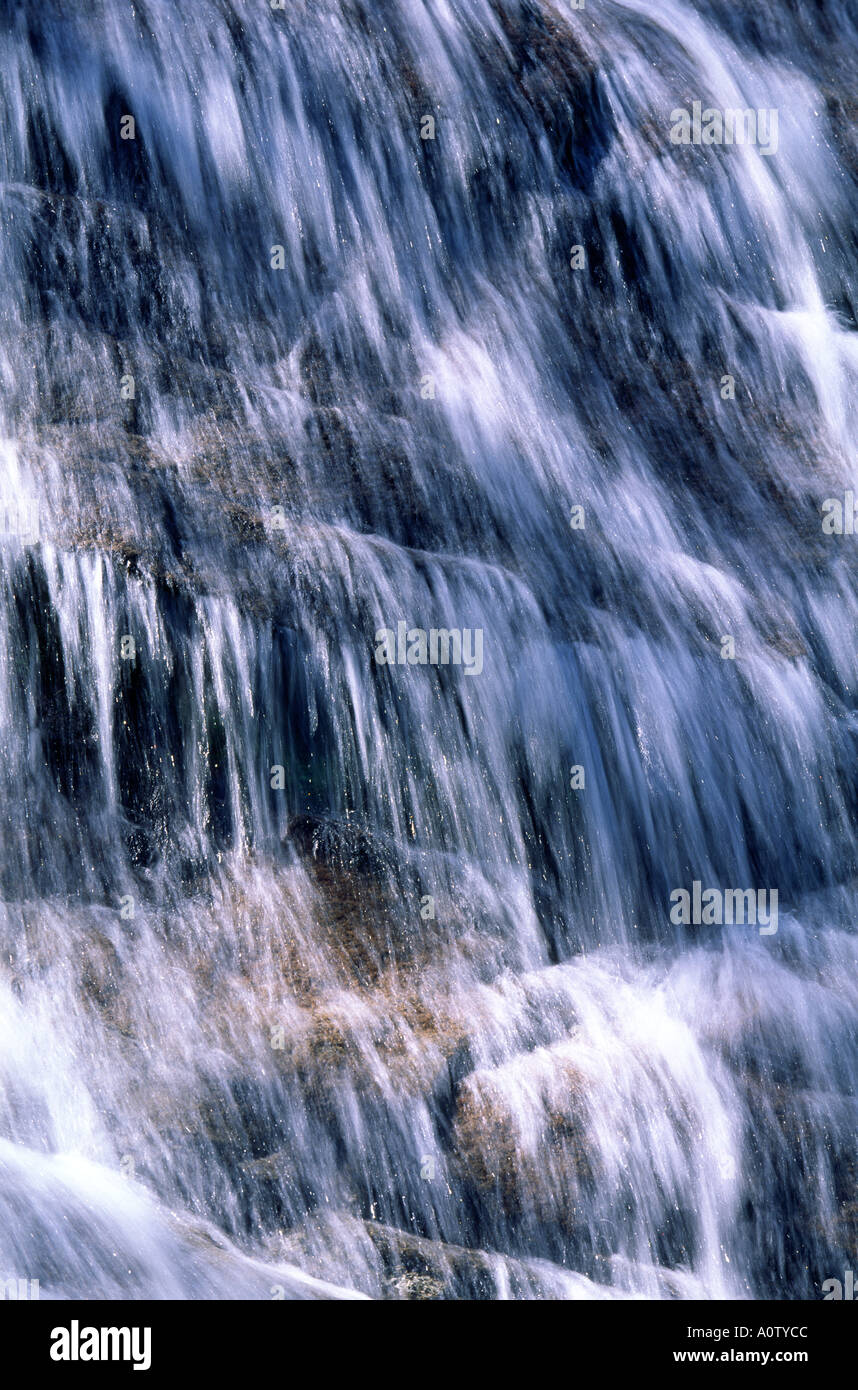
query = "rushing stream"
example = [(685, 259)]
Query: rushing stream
[(337, 338)]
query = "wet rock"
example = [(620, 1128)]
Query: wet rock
[(358, 885), (520, 1133), (339, 845), (100, 969), (561, 83), (394, 1264), (418, 1287)]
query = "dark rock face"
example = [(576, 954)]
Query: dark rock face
[(339, 845)]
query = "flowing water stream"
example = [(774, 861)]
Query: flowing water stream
[(327, 976)]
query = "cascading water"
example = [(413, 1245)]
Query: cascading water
[(327, 975)]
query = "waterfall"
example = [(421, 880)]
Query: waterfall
[(428, 656)]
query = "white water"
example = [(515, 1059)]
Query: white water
[(548, 1074)]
